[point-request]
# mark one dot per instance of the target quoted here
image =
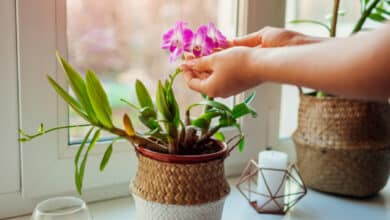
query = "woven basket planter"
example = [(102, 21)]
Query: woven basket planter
[(185, 187), (343, 146)]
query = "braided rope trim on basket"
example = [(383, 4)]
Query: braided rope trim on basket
[(181, 184)]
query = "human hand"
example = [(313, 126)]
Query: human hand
[(221, 74), (274, 37), (231, 70)]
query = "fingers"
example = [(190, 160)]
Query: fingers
[(193, 82), (250, 40), (200, 65)]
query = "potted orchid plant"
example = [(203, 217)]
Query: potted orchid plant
[(343, 145), (181, 159)]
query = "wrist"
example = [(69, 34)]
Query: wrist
[(305, 39), (255, 65)]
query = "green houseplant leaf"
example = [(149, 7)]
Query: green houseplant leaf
[(241, 144), (219, 136), (243, 109), (78, 86), (143, 95), (214, 104), (377, 17), (383, 11), (81, 172), (106, 156), (68, 98), (162, 103), (99, 100), (248, 100)]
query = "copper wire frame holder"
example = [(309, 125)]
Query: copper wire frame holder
[(249, 176)]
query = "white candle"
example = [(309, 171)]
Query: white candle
[(274, 160)]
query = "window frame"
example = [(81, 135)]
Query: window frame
[(37, 45)]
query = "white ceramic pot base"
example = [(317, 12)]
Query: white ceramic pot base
[(147, 210)]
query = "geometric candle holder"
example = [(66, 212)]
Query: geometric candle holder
[(294, 186)]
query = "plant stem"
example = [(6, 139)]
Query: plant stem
[(332, 33), (206, 109), (144, 142), (53, 129), (364, 16), (333, 27), (210, 133)]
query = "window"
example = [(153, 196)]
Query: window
[(34, 30), (315, 10), (122, 47)]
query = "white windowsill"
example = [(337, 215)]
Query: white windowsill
[(315, 205)]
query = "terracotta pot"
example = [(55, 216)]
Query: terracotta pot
[(343, 146), (185, 187)]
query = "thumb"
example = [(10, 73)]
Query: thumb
[(250, 40), (194, 83), (202, 64)]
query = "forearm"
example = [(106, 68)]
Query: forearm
[(357, 67)]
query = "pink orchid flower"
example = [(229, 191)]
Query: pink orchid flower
[(202, 44), (177, 40), (219, 40)]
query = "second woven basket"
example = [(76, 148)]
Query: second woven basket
[(343, 146)]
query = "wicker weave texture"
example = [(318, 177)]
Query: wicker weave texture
[(341, 123), (180, 184), (343, 146)]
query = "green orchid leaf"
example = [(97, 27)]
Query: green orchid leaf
[(99, 100), (248, 100), (219, 136), (204, 120), (201, 123), (383, 11), (152, 132), (143, 95), (243, 109), (85, 140), (147, 112), (227, 120), (241, 144), (78, 86), (81, 171), (299, 21), (173, 106), (106, 157), (134, 106), (211, 103), (162, 103), (68, 98), (149, 122), (377, 17)]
